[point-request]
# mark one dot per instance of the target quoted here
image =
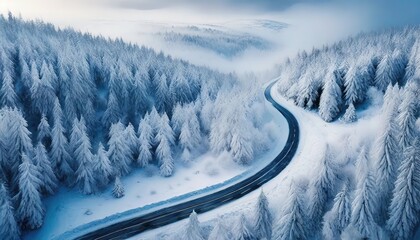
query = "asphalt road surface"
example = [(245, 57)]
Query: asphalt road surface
[(168, 215)]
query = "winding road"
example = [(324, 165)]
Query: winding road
[(168, 215)]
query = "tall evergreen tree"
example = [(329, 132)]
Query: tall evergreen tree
[(242, 230), (119, 152), (386, 165), (193, 230), (85, 177), (331, 97), (404, 210), (164, 156), (220, 231), (145, 143), (30, 211), (338, 218), (42, 92), (407, 119), (59, 153), (8, 95), (44, 132), (118, 190), (48, 179), (9, 228), (364, 206), (322, 188), (102, 167), (263, 222), (293, 222), (131, 138)]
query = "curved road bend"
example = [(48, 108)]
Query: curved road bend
[(134, 226)]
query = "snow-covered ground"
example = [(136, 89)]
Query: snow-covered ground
[(315, 134)]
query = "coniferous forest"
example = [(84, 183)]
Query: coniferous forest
[(83, 111)]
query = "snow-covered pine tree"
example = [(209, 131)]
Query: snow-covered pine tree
[(145, 143), (241, 145), (190, 135), (338, 218), (179, 86), (59, 153), (162, 90), (85, 177), (9, 228), (364, 206), (102, 167), (263, 222), (118, 190), (407, 118), (242, 230), (331, 97), (48, 179), (193, 230), (178, 118), (42, 92), (44, 131), (385, 154), (113, 112), (8, 95), (164, 156), (384, 73), (322, 187), (30, 212), (350, 114), (220, 231), (131, 138), (355, 83), (404, 209), (119, 150), (362, 164), (413, 62), (74, 143), (293, 222), (165, 131)]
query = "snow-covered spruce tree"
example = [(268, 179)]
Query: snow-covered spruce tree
[(30, 212), (131, 138), (308, 92), (190, 136), (85, 177), (263, 222), (15, 140), (407, 118), (220, 231), (59, 153), (293, 223), (331, 97), (44, 131), (242, 230), (178, 118), (193, 230), (42, 92), (162, 90), (145, 143), (9, 228), (386, 151), (241, 145), (8, 95), (164, 130), (154, 121), (139, 92), (350, 114), (322, 188), (413, 62), (119, 152), (390, 70), (118, 190), (102, 167), (364, 207), (356, 82), (179, 86), (404, 210), (338, 218), (164, 156), (362, 164), (74, 143), (48, 179), (113, 112)]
